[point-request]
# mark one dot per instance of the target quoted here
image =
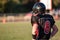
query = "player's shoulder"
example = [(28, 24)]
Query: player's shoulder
[(33, 17), (48, 15)]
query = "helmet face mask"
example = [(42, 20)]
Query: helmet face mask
[(35, 11), (39, 8)]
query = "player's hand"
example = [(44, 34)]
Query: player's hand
[(33, 39)]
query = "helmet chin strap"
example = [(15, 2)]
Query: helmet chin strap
[(37, 13), (41, 13)]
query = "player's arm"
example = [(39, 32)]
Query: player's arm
[(34, 30), (54, 30), (34, 27)]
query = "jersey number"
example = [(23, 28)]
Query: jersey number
[(47, 27)]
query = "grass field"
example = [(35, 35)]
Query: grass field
[(20, 31)]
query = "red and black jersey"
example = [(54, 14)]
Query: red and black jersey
[(45, 23)]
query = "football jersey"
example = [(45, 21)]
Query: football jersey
[(45, 23)]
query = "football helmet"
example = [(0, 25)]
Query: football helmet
[(39, 8)]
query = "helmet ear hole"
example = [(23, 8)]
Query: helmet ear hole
[(39, 7)]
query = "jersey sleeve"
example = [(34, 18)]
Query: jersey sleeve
[(33, 20), (53, 21)]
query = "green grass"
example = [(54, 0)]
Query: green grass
[(20, 31)]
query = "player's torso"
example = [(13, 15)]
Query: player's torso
[(44, 22)]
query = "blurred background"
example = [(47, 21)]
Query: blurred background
[(15, 18), (19, 8)]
